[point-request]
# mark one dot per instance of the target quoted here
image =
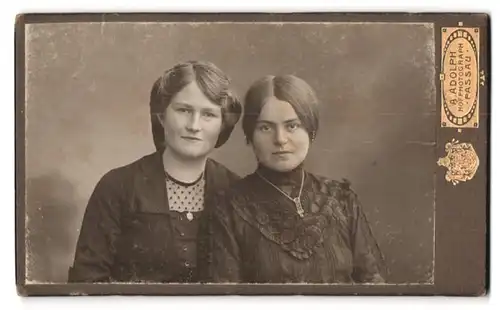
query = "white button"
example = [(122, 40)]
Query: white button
[(182, 234), (186, 264), (184, 248)]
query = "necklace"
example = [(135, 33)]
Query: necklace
[(296, 200)]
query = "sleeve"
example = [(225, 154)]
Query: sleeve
[(100, 229), (368, 261), (225, 255)]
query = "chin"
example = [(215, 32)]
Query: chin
[(193, 153), (283, 167)]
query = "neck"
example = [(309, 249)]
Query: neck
[(186, 170), (282, 178)]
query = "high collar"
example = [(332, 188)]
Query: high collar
[(278, 178)]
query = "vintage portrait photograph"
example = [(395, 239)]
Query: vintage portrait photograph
[(230, 152), (311, 141)]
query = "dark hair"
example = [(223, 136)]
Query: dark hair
[(212, 82), (287, 88)]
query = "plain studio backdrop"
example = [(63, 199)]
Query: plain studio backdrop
[(87, 94)]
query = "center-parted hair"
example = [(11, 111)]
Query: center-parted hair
[(287, 88), (213, 83)]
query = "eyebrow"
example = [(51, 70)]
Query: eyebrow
[(182, 103), (271, 122), (185, 104)]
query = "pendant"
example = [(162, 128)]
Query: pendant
[(189, 216), (298, 206)]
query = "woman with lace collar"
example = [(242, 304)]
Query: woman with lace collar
[(281, 223)]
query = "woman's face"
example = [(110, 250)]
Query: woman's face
[(280, 141), (192, 123)]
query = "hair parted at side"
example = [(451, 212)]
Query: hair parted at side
[(287, 88), (214, 84)]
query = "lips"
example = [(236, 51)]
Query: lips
[(281, 152), (191, 138)]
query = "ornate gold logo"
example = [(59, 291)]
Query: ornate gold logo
[(461, 161)]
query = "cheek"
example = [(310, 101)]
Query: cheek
[(171, 122), (302, 142), (260, 144), (213, 128)]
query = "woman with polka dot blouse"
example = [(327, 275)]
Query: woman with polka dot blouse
[(145, 222)]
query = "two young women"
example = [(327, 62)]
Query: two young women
[(178, 216)]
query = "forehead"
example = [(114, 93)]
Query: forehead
[(192, 95), (277, 111)]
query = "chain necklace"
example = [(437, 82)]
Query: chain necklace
[(296, 200)]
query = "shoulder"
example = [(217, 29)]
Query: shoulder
[(339, 195), (122, 175), (331, 184), (340, 189), (242, 187), (236, 193), (219, 169), (234, 189), (219, 176)]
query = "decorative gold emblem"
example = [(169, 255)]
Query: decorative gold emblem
[(461, 161)]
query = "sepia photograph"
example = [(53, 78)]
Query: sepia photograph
[(267, 150)]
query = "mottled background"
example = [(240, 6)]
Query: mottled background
[(87, 93)]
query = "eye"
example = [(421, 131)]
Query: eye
[(209, 114), (182, 110), (264, 128), (293, 126)]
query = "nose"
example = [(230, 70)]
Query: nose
[(280, 138), (193, 124)]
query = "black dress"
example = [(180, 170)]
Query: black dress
[(129, 234), (257, 235)]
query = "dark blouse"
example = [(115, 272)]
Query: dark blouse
[(257, 235), (129, 234)]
